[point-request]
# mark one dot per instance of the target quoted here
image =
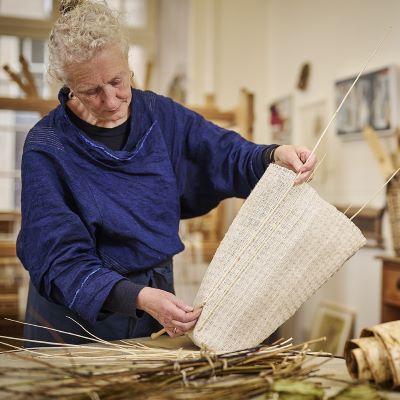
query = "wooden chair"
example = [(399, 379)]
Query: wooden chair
[(26, 82), (241, 118)]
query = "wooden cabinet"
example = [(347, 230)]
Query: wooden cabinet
[(390, 300)]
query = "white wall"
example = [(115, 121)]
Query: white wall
[(7, 159), (228, 52), (336, 37), (261, 44), (172, 52), (9, 52)]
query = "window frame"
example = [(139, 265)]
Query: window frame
[(40, 28)]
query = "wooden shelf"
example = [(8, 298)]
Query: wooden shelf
[(7, 248)]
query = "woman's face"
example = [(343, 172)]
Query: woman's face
[(102, 85)]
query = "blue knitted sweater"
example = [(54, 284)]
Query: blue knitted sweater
[(91, 215)]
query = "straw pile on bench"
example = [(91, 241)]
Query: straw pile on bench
[(162, 370)]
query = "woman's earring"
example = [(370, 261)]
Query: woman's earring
[(71, 95)]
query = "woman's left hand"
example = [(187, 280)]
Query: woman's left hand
[(297, 159)]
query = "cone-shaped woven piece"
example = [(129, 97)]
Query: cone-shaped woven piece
[(284, 244)]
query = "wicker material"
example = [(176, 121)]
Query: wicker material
[(393, 202), (375, 355), (284, 244)]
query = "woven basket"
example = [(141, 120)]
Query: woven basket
[(284, 244), (393, 203)]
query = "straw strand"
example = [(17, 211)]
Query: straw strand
[(375, 194), (350, 89)]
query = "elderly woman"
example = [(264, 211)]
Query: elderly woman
[(107, 176)]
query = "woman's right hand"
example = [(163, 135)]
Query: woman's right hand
[(171, 312)]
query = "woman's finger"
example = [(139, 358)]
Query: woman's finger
[(311, 162), (304, 155), (180, 315), (295, 162), (303, 177), (184, 326), (182, 305)]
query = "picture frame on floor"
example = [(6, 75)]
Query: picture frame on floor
[(336, 323)]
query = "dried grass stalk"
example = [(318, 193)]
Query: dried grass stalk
[(137, 370), (168, 368)]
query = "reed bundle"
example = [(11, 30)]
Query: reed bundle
[(175, 370), (137, 370)]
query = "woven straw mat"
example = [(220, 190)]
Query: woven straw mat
[(284, 244)]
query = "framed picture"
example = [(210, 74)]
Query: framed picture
[(373, 102), (336, 323), (280, 120)]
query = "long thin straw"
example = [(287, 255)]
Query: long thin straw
[(374, 195), (348, 92), (316, 167), (347, 209), (92, 337)]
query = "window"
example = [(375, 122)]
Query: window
[(133, 11), (24, 30), (15, 125), (33, 9)]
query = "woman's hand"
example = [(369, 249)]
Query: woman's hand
[(171, 312), (297, 159)]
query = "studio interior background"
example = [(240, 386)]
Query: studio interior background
[(273, 69)]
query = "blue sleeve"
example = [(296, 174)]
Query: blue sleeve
[(211, 163), (122, 299), (55, 245)]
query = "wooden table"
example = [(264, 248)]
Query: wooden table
[(335, 367)]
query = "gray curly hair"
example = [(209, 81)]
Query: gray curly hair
[(84, 28)]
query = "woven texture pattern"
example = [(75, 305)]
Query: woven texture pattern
[(284, 244)]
